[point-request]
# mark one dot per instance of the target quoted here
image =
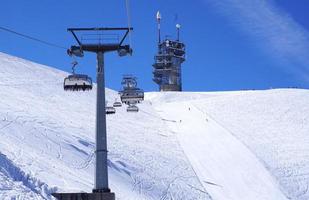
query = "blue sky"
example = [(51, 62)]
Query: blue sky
[(231, 44)]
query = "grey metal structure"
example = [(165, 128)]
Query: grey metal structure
[(130, 94), (132, 108), (117, 104), (110, 110), (101, 189), (168, 60), (77, 82)]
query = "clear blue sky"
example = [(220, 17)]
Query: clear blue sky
[(231, 44)]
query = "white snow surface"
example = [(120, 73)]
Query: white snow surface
[(250, 145)]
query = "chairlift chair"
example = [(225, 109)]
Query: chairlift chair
[(132, 95), (132, 108), (129, 81), (110, 110), (77, 82), (117, 104)]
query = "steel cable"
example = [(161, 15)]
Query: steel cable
[(129, 21), (32, 38)]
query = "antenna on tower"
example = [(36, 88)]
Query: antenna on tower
[(159, 25), (178, 30)]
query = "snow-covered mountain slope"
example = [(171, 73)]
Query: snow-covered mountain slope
[(48, 136), (219, 159), (272, 124), (219, 145)]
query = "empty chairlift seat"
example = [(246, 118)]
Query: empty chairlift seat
[(117, 104), (110, 110), (135, 95), (132, 108), (130, 94), (77, 82)]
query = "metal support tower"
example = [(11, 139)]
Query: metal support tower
[(101, 189), (101, 174)]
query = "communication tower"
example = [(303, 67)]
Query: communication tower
[(168, 60)]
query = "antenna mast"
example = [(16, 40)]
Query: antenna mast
[(159, 25), (178, 30)]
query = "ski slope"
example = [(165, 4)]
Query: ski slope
[(219, 159), (48, 136), (218, 145)]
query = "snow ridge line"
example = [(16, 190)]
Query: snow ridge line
[(8, 168)]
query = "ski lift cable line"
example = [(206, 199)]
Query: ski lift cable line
[(32, 38), (129, 20)]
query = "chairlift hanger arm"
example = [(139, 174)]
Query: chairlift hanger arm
[(127, 29), (124, 37), (76, 38), (99, 29)]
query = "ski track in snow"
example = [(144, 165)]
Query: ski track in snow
[(165, 151), (272, 124), (217, 156)]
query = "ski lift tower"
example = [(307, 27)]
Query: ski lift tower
[(167, 66), (99, 41)]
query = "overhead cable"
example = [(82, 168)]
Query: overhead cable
[(32, 38), (129, 20)]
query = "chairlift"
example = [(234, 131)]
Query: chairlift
[(129, 81), (128, 96), (130, 93), (110, 110), (77, 82), (117, 104), (132, 108)]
